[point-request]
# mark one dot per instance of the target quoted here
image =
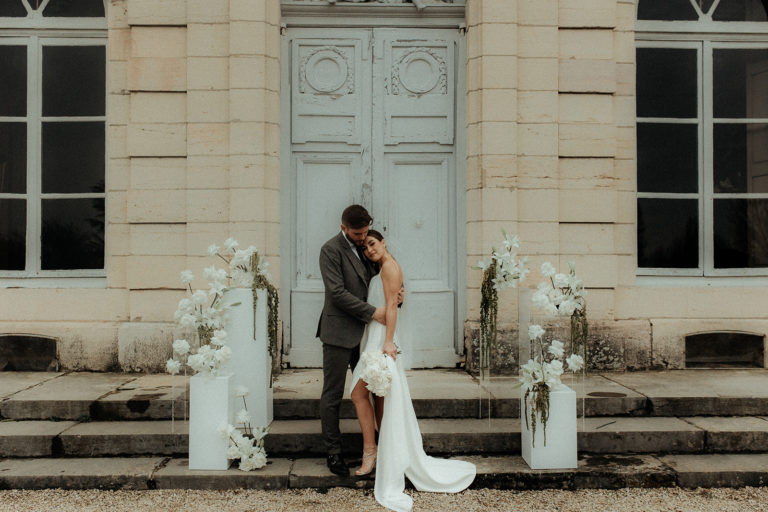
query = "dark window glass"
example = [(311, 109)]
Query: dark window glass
[(667, 157), (73, 157), (13, 232), (741, 233), (705, 5), (74, 80), (73, 234), (740, 84), (13, 158), (12, 9), (741, 10), (668, 233), (666, 82), (75, 9), (13, 80), (740, 158), (666, 10)]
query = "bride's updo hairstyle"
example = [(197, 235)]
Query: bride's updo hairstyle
[(375, 234)]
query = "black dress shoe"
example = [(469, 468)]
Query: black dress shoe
[(337, 465)]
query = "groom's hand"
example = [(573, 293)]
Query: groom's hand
[(380, 316), (400, 296)]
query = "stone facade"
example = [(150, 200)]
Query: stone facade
[(194, 156)]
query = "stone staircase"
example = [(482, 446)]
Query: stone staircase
[(687, 428)]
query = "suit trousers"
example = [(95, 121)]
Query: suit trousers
[(336, 360)]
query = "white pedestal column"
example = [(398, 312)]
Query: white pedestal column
[(251, 364), (560, 450), (209, 407)]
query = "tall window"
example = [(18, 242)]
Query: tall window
[(52, 137), (702, 137)]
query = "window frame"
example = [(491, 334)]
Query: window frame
[(35, 32), (705, 35)]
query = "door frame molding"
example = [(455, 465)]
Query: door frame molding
[(369, 16)]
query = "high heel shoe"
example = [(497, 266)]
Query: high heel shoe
[(368, 463)]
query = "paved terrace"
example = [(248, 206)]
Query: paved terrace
[(684, 428)]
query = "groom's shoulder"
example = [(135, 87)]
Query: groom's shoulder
[(331, 244)]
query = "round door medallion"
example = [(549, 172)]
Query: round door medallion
[(419, 72), (326, 70)]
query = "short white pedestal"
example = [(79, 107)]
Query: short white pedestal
[(560, 450), (209, 407), (251, 364)]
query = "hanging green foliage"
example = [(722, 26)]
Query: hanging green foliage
[(489, 307), (539, 409), (260, 282)]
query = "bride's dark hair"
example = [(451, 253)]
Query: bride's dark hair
[(375, 234)]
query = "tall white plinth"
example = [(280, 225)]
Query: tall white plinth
[(251, 364), (560, 450), (209, 407)]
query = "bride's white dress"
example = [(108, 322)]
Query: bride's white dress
[(401, 452)]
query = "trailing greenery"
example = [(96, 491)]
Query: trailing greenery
[(540, 407), (260, 282), (580, 332), (489, 307)]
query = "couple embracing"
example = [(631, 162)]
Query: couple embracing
[(363, 288)]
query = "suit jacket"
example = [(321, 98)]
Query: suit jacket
[(345, 278)]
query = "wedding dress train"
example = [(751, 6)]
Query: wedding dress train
[(401, 452)]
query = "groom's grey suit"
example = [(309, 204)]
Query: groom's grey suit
[(342, 322)]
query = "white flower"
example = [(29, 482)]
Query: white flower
[(230, 244), (556, 348), (575, 362), (200, 297), (196, 362), (254, 461), (560, 280), (213, 249), (181, 347), (225, 430), (568, 306), (187, 276), (375, 373), (260, 432), (530, 373), (217, 288), (172, 366), (241, 390), (552, 372), (547, 270), (233, 452), (510, 241), (243, 417), (223, 354), (535, 331), (219, 337), (484, 264), (540, 299)]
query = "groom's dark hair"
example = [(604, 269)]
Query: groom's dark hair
[(356, 217)]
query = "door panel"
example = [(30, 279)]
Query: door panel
[(372, 122)]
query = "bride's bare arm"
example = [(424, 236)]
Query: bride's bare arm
[(392, 280)]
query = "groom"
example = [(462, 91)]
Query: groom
[(346, 273)]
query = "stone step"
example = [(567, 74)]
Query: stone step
[(302, 438), (436, 394), (498, 472)]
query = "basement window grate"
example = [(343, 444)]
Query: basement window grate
[(724, 350), (28, 353)]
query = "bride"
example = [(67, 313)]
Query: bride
[(400, 452)]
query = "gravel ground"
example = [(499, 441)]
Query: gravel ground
[(342, 500)]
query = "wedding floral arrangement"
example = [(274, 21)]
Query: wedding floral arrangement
[(541, 375), (502, 270), (206, 311), (245, 443), (564, 295), (376, 373)]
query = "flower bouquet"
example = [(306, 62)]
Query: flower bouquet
[(247, 444), (376, 373)]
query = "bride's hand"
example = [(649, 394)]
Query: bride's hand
[(390, 349)]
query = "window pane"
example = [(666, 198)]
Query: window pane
[(13, 234), (13, 158), (667, 233), (73, 157), (666, 10), (740, 158), (741, 233), (13, 80), (12, 9), (73, 234), (705, 5), (74, 80), (667, 157), (75, 8), (740, 83), (740, 10), (666, 82)]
